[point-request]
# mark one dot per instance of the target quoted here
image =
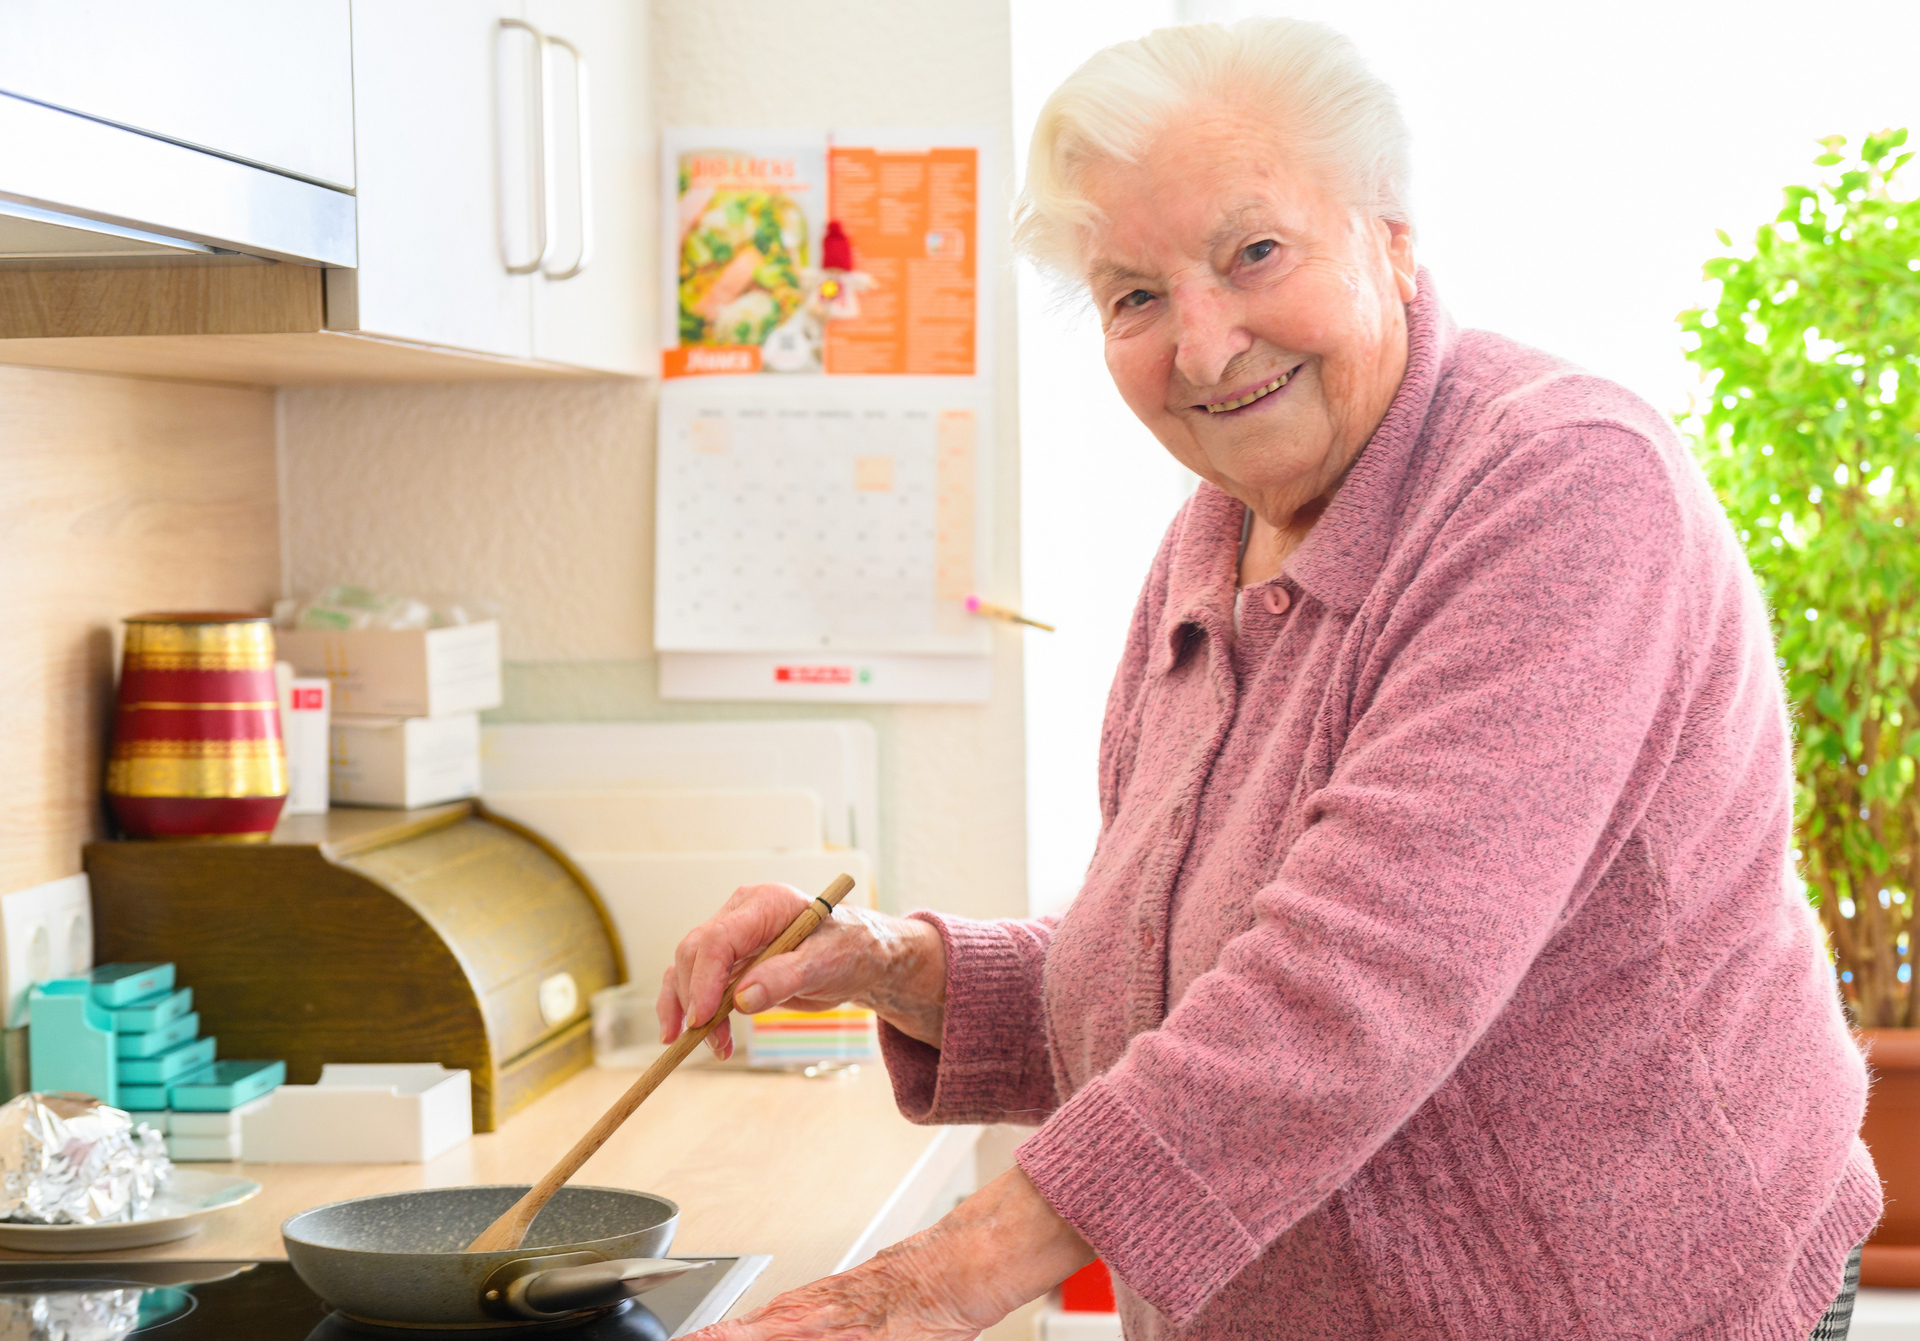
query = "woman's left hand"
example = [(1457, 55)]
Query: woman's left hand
[(999, 1248)]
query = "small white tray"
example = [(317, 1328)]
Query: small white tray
[(184, 1201), (361, 1113)]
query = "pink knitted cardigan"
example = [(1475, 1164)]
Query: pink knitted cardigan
[(1440, 970)]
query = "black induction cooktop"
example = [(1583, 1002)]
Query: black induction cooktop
[(265, 1301)]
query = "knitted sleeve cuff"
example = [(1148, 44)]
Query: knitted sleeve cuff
[(991, 1065), (1131, 1196)]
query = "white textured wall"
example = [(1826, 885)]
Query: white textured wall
[(1099, 489), (532, 498), (538, 499)]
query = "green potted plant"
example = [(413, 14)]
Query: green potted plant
[(1810, 431)]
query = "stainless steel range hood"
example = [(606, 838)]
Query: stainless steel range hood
[(73, 189), (29, 234)]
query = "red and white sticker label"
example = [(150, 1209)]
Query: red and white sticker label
[(813, 674), (309, 699)]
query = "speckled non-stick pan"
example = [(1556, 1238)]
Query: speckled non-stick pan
[(401, 1258)]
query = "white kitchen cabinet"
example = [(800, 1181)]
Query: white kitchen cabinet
[(592, 302), (443, 104), (469, 136), (268, 84)]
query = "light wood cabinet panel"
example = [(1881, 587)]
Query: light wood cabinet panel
[(315, 358), (159, 300)]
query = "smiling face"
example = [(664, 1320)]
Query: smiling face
[(1255, 321)]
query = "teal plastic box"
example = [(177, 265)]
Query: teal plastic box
[(168, 1067), (162, 1096), (224, 1086), (124, 984), (150, 1012), (70, 1046), (149, 1097), (156, 1041)]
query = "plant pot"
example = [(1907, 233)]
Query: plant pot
[(1891, 1129)]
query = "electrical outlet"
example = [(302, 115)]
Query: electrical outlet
[(49, 934)]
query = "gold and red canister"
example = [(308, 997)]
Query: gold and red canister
[(197, 751)]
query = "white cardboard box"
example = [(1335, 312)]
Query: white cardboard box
[(401, 672), (215, 1149), (405, 761), (1054, 1324), (304, 714), (363, 1114)]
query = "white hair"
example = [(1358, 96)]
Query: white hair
[(1327, 107)]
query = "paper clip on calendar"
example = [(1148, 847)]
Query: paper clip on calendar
[(988, 610)]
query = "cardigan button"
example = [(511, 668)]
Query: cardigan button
[(1277, 600)]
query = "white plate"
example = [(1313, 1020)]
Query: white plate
[(185, 1200)]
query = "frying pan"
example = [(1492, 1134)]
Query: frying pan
[(548, 1253), (401, 1259)]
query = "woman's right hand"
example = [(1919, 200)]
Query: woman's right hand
[(891, 965)]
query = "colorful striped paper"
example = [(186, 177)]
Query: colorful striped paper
[(784, 1040)]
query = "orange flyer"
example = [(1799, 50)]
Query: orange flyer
[(912, 217)]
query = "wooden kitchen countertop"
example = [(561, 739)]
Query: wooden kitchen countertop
[(813, 1172)]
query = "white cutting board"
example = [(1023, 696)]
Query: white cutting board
[(703, 820), (835, 758), (656, 898)]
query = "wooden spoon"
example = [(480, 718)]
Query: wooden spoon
[(511, 1228)]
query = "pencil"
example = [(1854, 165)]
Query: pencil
[(976, 606)]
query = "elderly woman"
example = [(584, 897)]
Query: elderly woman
[(1440, 971)]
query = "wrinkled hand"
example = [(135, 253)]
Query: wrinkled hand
[(889, 964), (880, 1300), (999, 1248)]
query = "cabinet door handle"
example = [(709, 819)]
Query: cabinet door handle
[(582, 122), (536, 107)]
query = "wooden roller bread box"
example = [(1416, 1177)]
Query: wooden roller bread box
[(438, 935)]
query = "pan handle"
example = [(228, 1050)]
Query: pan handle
[(558, 1291)]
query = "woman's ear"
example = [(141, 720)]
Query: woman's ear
[(1400, 257)]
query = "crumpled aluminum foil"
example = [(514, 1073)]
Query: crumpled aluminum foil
[(68, 1159), (71, 1315)]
